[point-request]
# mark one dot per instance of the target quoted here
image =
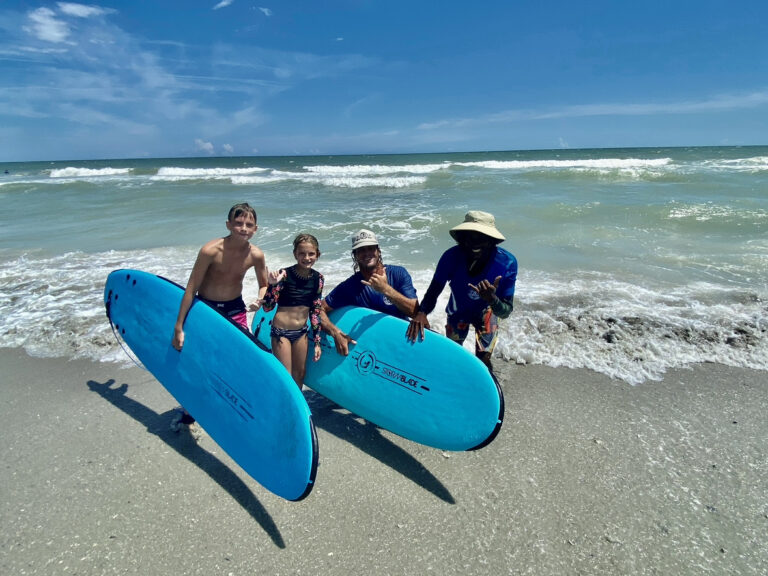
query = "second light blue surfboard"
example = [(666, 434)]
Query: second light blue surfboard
[(434, 392)]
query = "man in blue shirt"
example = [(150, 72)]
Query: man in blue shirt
[(387, 289), (482, 277)]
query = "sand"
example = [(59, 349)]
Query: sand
[(588, 476)]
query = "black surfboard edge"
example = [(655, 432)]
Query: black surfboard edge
[(499, 422), (315, 462)]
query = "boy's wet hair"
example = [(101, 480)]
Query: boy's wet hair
[(306, 238), (240, 209)]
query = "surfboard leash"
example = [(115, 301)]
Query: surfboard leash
[(119, 340)]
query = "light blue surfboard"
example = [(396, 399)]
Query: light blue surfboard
[(434, 392), (239, 393)]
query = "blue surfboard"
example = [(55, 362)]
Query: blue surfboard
[(434, 392), (239, 393)]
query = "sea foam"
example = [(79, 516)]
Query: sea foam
[(73, 173), (53, 307)]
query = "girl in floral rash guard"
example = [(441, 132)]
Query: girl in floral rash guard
[(298, 293)]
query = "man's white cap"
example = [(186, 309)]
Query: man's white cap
[(364, 238)]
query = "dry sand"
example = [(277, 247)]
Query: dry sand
[(588, 476)]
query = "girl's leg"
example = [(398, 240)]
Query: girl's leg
[(281, 348), (299, 360)]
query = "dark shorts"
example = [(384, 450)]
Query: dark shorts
[(486, 330), (234, 310)]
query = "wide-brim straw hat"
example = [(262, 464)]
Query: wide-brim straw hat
[(478, 221)]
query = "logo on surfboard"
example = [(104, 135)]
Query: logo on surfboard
[(367, 364)]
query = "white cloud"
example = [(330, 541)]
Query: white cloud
[(715, 103), (48, 27), (719, 103), (81, 10), (246, 117), (45, 26), (223, 4), (349, 110), (203, 146), (278, 70), (112, 81), (35, 50), (85, 92), (266, 11)]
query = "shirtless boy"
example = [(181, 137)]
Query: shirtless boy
[(221, 265)]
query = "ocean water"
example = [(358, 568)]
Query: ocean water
[(632, 261)]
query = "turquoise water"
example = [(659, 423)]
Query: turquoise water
[(632, 261)]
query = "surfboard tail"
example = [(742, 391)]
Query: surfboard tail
[(315, 462), (500, 420)]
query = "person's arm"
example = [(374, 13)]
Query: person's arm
[(436, 285), (501, 307), (407, 305), (419, 321), (501, 294), (314, 317), (203, 261), (260, 268), (341, 339), (272, 293), (416, 327)]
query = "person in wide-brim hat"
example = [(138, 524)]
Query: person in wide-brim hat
[(477, 221), (482, 278)]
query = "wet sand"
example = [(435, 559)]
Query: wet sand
[(588, 476)]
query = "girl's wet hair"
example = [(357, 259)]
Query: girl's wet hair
[(241, 209), (301, 238)]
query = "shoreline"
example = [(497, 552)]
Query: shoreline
[(588, 475)]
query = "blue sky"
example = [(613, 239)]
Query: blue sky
[(155, 78)]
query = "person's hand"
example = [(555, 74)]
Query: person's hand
[(255, 305), (417, 326), (342, 342), (318, 352), (178, 339), (378, 281), (486, 290), (276, 277)]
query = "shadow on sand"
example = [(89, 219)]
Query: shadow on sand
[(368, 438), (184, 444)]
